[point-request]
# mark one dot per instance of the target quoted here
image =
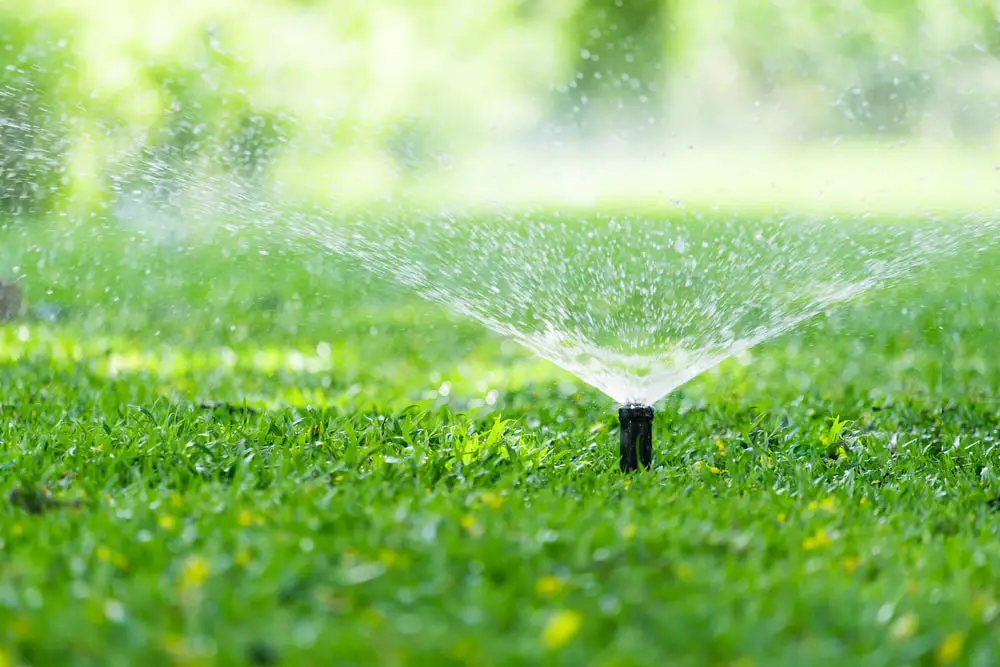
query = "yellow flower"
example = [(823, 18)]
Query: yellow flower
[(781, 517), (561, 627), (195, 572), (388, 557), (863, 501), (818, 540), (469, 525), (714, 470), (243, 557), (982, 607), (103, 553), (548, 586), (719, 445), (176, 647), (950, 648), (245, 519), (167, 522), (827, 505), (20, 627), (492, 500), (904, 627), (850, 564)]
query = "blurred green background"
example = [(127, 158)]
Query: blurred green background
[(351, 99)]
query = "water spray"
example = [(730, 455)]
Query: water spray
[(636, 436)]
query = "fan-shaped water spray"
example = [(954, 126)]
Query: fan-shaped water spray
[(632, 304), (635, 305)]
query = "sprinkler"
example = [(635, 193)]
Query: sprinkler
[(636, 436)]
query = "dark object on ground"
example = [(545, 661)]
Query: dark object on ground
[(38, 501), (636, 436), (228, 407), (11, 301), (261, 653)]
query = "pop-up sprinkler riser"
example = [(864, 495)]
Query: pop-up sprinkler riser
[(636, 436)]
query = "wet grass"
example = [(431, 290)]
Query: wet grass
[(212, 456)]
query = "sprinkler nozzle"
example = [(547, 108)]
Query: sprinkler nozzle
[(636, 436)]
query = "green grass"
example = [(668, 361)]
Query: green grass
[(217, 457)]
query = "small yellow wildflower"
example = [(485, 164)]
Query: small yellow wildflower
[(950, 648), (561, 627), (904, 627), (469, 525), (827, 505), (548, 586), (176, 647), (167, 522), (245, 519), (103, 553), (21, 627), (818, 540), (628, 483), (195, 572), (698, 465), (492, 500), (719, 445), (850, 564), (863, 501), (714, 470), (243, 557), (982, 607), (388, 557), (782, 517)]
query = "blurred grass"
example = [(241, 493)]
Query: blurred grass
[(740, 177)]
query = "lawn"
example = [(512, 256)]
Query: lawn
[(218, 456)]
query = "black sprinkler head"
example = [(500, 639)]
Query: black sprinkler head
[(636, 436)]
